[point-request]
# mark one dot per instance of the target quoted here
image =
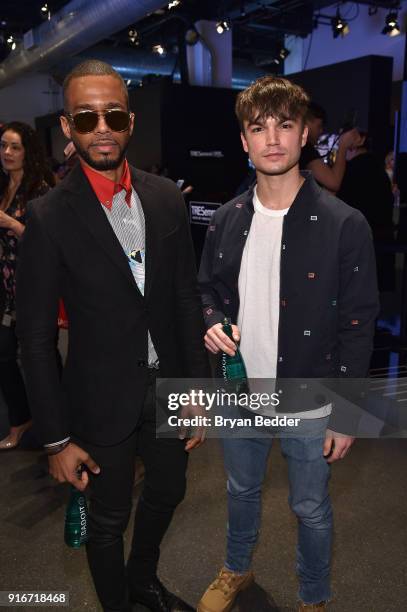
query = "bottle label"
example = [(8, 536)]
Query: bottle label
[(224, 367), (84, 522)]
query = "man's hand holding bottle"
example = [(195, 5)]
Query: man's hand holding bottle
[(64, 466), (217, 341)]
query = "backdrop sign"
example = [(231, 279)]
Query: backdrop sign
[(215, 154), (200, 213)]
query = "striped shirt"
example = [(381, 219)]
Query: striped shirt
[(128, 224)]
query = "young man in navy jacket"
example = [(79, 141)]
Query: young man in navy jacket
[(294, 269)]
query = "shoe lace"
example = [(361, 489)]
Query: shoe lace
[(225, 582)]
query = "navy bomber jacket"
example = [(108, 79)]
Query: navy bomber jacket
[(328, 286)]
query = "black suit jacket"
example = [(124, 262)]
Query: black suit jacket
[(69, 250)]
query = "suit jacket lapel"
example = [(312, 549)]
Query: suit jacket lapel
[(86, 205), (150, 204)]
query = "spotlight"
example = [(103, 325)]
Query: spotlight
[(159, 49), (191, 36), (134, 37), (173, 4), (45, 12), (128, 82), (340, 27), (392, 27), (11, 42), (284, 53), (222, 26)]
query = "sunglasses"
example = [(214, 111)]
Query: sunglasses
[(86, 121)]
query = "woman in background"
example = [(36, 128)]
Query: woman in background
[(366, 186), (23, 177)]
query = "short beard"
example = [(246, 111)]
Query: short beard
[(104, 164)]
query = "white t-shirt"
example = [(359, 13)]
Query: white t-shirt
[(259, 294)]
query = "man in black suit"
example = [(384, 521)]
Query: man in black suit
[(114, 243)]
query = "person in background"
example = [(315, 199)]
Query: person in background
[(56, 168), (329, 177), (389, 166), (22, 178), (389, 163), (366, 186)]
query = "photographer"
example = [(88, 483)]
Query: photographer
[(329, 177)]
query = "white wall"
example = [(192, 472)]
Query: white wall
[(364, 38), (30, 96)]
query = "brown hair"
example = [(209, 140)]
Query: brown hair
[(271, 96), (37, 175), (92, 67)]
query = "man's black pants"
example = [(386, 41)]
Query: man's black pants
[(11, 380), (165, 462)]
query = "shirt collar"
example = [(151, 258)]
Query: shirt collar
[(105, 189)]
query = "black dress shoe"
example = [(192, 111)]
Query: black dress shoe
[(157, 598)]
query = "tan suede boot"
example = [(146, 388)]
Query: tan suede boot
[(316, 607), (221, 594)]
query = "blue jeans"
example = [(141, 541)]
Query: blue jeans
[(246, 462)]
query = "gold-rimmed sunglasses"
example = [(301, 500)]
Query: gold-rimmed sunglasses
[(86, 121)]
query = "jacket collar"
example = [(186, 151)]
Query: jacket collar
[(308, 193)]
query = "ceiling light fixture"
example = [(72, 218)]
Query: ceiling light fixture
[(134, 37), (222, 26), (392, 27), (11, 42), (340, 27), (284, 53), (159, 50), (45, 12)]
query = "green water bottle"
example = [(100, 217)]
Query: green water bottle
[(233, 368), (76, 519)]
